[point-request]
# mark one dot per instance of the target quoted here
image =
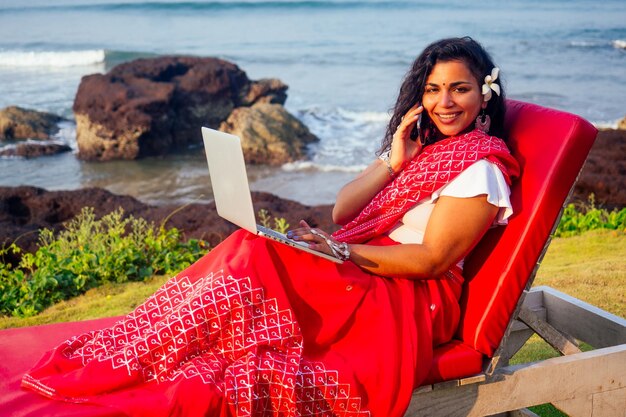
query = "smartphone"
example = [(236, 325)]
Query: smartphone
[(417, 128)]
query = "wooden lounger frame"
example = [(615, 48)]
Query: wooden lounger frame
[(580, 384)]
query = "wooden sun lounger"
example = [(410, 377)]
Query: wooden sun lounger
[(470, 376), (580, 384), (499, 313)]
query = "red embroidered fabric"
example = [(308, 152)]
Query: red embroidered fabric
[(430, 170), (256, 328)]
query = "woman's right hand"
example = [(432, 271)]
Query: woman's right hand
[(355, 195), (403, 149)]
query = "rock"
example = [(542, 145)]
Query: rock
[(152, 106), (267, 90), (26, 210), (269, 134), (622, 124), (17, 123), (604, 172), (33, 150)]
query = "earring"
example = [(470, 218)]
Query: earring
[(483, 121)]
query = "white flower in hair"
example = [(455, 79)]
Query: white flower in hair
[(490, 84)]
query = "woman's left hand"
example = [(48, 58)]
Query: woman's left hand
[(316, 242)]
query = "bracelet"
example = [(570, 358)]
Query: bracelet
[(339, 249), (385, 156)]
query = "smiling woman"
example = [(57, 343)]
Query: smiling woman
[(259, 328)]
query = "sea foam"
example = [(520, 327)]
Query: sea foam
[(51, 58), (348, 139), (619, 43), (312, 166)]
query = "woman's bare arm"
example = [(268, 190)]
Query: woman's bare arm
[(454, 228), (356, 194)]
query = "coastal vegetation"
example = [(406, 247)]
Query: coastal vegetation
[(88, 253), (280, 224), (577, 219)]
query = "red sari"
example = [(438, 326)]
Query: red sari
[(257, 328)]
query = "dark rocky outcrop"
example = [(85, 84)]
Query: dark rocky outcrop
[(262, 129), (26, 210), (604, 173), (153, 106), (17, 123), (33, 150)]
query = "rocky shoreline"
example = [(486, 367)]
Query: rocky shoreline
[(28, 133), (155, 107), (604, 172)]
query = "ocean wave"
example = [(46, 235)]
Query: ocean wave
[(619, 43), (312, 166), (67, 134), (66, 59), (341, 115), (349, 138), (52, 58), (586, 44), (171, 6), (364, 116)]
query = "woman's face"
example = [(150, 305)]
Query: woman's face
[(452, 97)]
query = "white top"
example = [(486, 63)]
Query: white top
[(482, 177)]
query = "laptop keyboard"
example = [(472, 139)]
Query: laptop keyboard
[(274, 235), (278, 236)]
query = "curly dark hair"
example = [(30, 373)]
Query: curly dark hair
[(463, 49)]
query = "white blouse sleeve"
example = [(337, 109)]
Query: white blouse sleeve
[(482, 177)]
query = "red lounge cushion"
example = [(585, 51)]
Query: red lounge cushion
[(550, 146), (19, 349), (454, 360)]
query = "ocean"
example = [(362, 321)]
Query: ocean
[(343, 61)]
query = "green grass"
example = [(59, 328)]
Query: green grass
[(590, 267), (107, 300)]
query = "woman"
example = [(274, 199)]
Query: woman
[(258, 328)]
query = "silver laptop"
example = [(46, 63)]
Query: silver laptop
[(232, 192)]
